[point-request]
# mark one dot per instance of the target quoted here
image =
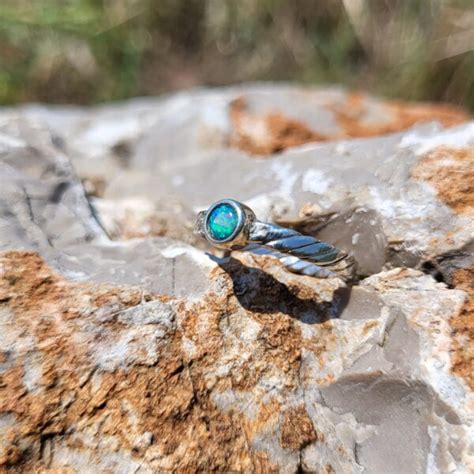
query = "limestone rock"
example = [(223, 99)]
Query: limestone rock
[(125, 347)]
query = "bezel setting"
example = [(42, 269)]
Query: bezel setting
[(238, 228)]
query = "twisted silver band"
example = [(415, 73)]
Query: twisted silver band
[(299, 253)]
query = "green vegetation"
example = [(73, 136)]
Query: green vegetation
[(86, 51)]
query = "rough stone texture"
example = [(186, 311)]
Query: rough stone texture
[(125, 347)]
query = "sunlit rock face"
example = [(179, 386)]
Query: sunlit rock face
[(127, 346)]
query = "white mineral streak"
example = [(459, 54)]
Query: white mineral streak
[(404, 219), (315, 182), (285, 177), (458, 137), (201, 258), (7, 142)]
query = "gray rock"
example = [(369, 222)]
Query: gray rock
[(126, 347)]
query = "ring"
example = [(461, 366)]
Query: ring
[(231, 225)]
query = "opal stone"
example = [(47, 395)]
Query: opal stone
[(222, 221)]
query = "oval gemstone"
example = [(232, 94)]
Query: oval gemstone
[(222, 221)]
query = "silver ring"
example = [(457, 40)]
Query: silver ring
[(231, 225)]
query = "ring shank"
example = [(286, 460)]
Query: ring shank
[(302, 254), (299, 253)]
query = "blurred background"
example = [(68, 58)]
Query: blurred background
[(89, 51)]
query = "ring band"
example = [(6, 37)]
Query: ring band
[(231, 225)]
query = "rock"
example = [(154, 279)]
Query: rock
[(126, 347)]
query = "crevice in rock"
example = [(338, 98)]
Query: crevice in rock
[(123, 152), (356, 454), (443, 267), (58, 191), (431, 268), (31, 214), (299, 467), (46, 450)]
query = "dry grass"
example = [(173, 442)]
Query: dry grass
[(85, 51)]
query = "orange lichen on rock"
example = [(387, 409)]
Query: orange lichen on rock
[(451, 172), (352, 116), (268, 133), (273, 132), (297, 430), (161, 409), (83, 372), (462, 325)]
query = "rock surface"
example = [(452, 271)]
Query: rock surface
[(125, 347)]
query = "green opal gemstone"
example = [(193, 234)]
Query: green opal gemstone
[(222, 222)]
